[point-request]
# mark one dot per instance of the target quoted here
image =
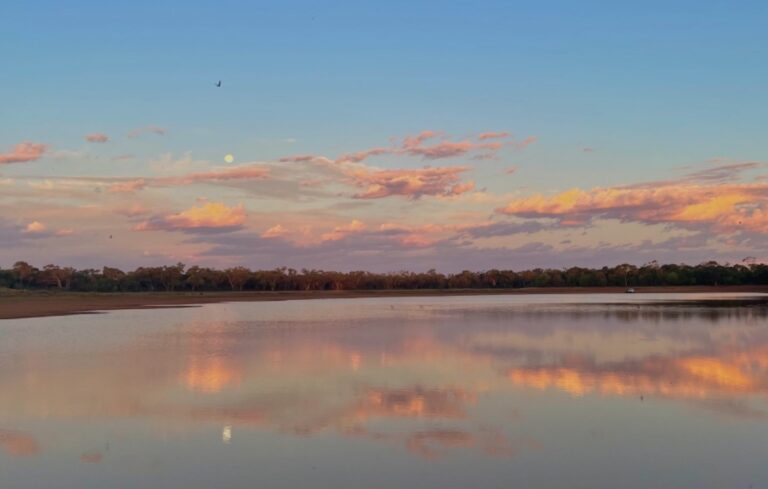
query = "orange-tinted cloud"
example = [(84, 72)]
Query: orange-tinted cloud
[(687, 377), (23, 152), (727, 206), (409, 183), (341, 232), (35, 227), (211, 216), (96, 137)]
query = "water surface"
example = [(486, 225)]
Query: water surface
[(581, 391)]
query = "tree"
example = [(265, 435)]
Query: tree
[(23, 272), (237, 277)]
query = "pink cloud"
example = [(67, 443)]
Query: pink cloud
[(19, 444), (211, 216), (239, 173), (276, 231), (128, 186), (305, 159), (493, 135), (252, 172), (341, 232), (24, 152), (96, 137), (415, 141), (37, 229), (409, 183), (363, 155), (526, 142), (415, 146), (92, 457), (448, 149)]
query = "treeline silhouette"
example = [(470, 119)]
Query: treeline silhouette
[(178, 277)]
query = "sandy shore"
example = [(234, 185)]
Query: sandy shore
[(23, 304)]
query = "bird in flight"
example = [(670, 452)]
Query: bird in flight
[(218, 84)]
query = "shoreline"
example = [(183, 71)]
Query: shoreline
[(29, 304)]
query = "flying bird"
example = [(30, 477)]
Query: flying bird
[(218, 84)]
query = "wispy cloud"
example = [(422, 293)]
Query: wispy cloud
[(248, 172), (96, 137), (493, 135), (160, 131)]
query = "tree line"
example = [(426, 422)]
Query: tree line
[(180, 278)]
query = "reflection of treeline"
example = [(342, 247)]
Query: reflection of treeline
[(178, 277)]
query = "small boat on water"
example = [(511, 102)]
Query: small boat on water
[(630, 291)]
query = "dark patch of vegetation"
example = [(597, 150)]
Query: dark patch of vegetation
[(177, 277)]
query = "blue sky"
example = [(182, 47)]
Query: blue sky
[(651, 87)]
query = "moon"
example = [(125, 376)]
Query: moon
[(229, 158)]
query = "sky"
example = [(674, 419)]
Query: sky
[(383, 136)]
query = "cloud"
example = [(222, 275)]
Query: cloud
[(210, 217), (448, 149), (160, 131), (19, 444), (525, 142), (35, 227), (123, 157), (92, 457), (24, 152), (413, 184), (305, 159), (277, 231), (493, 135), (415, 146), (128, 186), (700, 198), (96, 137), (341, 232), (249, 172), (722, 173), (364, 155), (492, 230)]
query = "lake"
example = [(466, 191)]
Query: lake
[(536, 391)]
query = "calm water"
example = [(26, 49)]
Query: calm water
[(644, 391)]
